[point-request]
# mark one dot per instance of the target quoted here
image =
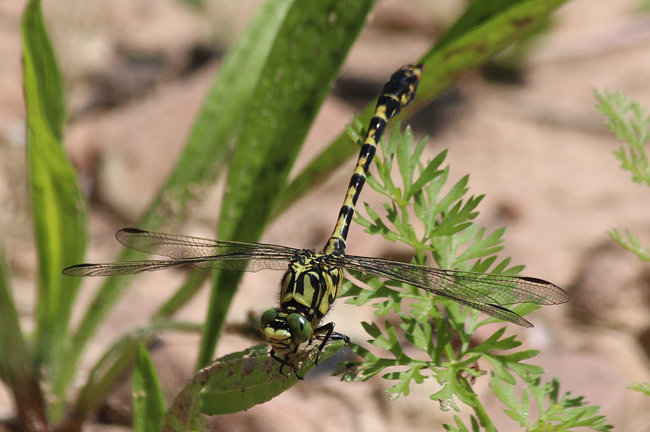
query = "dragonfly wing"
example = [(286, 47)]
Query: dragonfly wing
[(135, 267), (485, 292), (119, 268), (494, 310), (183, 250), (184, 247)]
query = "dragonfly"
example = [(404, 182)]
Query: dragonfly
[(313, 280)]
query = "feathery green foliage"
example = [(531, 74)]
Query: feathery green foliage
[(630, 122), (429, 324)]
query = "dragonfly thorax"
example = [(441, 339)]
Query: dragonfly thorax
[(309, 288)]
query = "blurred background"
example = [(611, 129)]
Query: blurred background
[(524, 128)]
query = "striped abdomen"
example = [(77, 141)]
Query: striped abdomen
[(398, 92)]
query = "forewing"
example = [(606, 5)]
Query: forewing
[(204, 253), (184, 247), (135, 267), (481, 291), (119, 268)]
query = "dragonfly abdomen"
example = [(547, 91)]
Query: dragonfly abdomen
[(398, 92)]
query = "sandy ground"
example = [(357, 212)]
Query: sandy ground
[(538, 150)]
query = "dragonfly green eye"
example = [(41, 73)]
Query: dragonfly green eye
[(299, 327), (268, 317)]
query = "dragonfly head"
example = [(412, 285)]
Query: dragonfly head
[(285, 332)]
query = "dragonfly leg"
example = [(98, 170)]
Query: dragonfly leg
[(284, 362), (328, 329)]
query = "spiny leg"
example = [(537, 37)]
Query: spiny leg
[(284, 362), (328, 329)]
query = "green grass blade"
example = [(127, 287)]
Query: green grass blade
[(57, 202), (205, 154), (16, 368), (148, 403), (45, 98), (112, 366), (307, 54), (482, 32), (219, 122)]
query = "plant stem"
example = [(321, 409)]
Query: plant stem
[(481, 414)]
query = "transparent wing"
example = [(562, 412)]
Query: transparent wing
[(487, 293), (183, 247), (183, 250)]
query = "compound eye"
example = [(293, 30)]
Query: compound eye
[(268, 317), (299, 327)]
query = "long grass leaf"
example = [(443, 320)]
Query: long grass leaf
[(205, 154), (483, 31), (306, 56), (16, 368), (58, 206), (113, 365), (148, 403)]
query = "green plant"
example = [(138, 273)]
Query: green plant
[(641, 388), (148, 403), (238, 110), (429, 323), (555, 414), (629, 121)]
